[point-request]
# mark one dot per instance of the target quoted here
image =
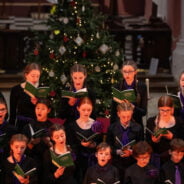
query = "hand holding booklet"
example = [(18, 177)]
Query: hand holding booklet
[(64, 160), (32, 91), (157, 132), (78, 94), (18, 171), (128, 94)]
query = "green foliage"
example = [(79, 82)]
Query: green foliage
[(57, 50)]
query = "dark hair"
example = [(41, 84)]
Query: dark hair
[(18, 137), (103, 146), (177, 144), (3, 101), (125, 106), (180, 78), (78, 68), (55, 127), (131, 63), (141, 148), (31, 66), (44, 101), (165, 101), (85, 100)]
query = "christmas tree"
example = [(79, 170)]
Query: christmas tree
[(76, 34)]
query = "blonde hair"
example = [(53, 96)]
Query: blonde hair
[(31, 66), (19, 137), (125, 106)]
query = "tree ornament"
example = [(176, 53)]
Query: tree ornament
[(83, 8), (112, 80), (65, 20), (56, 32), (53, 10), (52, 94), (115, 67), (79, 40), (65, 39), (84, 54), (63, 78), (103, 48), (51, 36), (97, 35), (62, 49), (72, 3), (52, 55), (98, 101), (97, 69), (117, 53), (51, 73), (36, 52), (78, 20)]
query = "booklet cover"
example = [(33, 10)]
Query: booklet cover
[(86, 139), (126, 146), (157, 132), (32, 91), (64, 160), (78, 94), (19, 171), (128, 94), (38, 133)]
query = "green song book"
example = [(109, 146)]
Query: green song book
[(32, 91), (126, 146), (157, 132), (128, 94), (78, 94), (38, 133), (64, 160), (86, 139), (19, 171)]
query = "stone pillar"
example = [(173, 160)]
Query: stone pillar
[(178, 54)]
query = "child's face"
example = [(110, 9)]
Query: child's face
[(85, 110), (103, 156), (18, 148), (125, 116), (176, 156), (33, 76), (78, 79), (166, 112), (41, 111), (3, 112), (143, 160), (182, 81), (59, 137), (129, 73)]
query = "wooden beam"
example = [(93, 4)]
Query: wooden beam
[(25, 4)]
